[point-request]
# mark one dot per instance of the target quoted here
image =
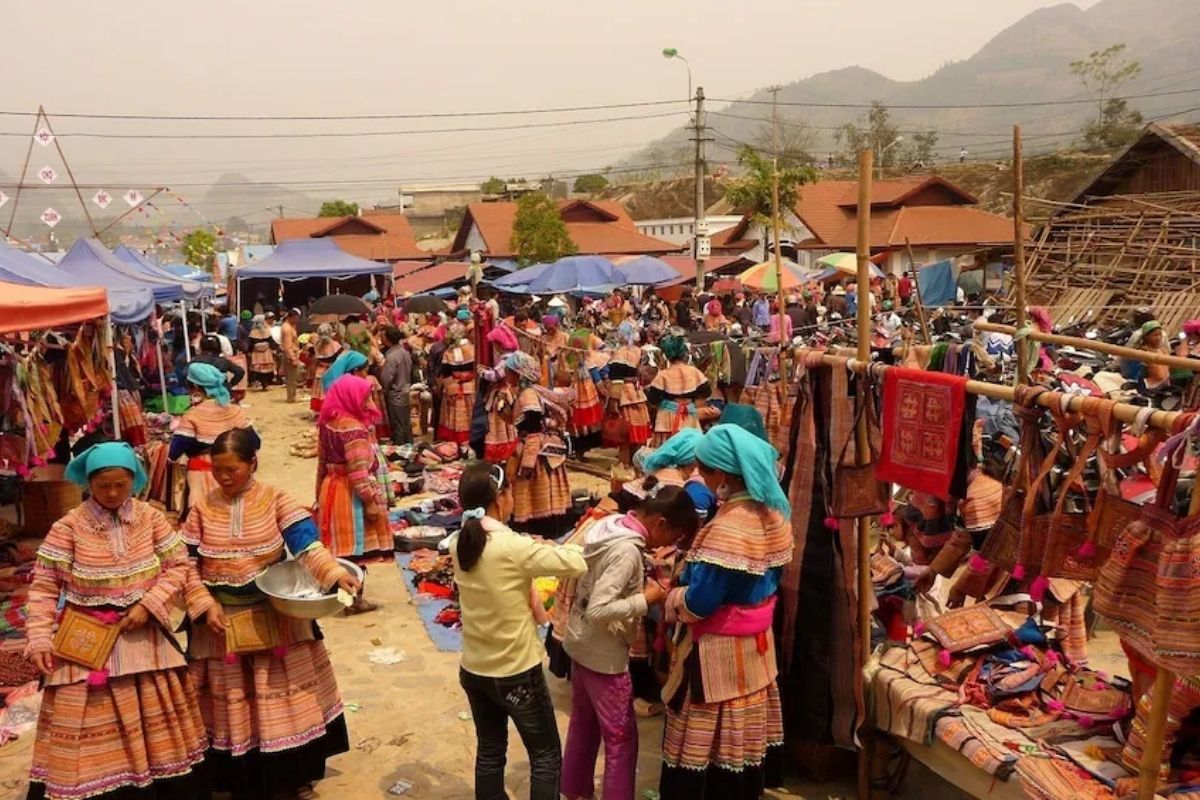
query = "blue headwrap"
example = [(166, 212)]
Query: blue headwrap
[(626, 332), (680, 449), (735, 451), (211, 380), (744, 416), (104, 456), (344, 364)]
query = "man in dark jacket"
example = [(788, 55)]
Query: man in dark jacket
[(210, 353)]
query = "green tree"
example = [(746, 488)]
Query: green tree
[(795, 142), (874, 131), (1102, 74), (539, 235), (199, 247), (590, 184), (924, 147), (751, 191), (338, 208), (492, 185)]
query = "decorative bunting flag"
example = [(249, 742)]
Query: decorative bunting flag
[(133, 197), (3, 198), (47, 174), (51, 217), (102, 198), (43, 137)]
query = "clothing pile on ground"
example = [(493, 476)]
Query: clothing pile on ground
[(18, 675)]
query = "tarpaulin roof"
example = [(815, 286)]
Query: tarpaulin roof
[(297, 259), (442, 274), (28, 308), (147, 266), (100, 267), (127, 302)]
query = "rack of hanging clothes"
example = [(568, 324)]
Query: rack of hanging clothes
[(821, 702)]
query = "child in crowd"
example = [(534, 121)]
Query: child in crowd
[(609, 601)]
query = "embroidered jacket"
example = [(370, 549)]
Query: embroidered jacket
[(196, 430)]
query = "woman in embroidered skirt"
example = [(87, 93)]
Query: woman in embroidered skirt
[(325, 351), (626, 400), (262, 353), (500, 402), (541, 486), (724, 730), (585, 362), (677, 391), (132, 728), (212, 413), (273, 714), (458, 392), (351, 505), (554, 339)]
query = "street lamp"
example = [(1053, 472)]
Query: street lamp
[(887, 147), (671, 52)]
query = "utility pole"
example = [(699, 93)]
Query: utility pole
[(280, 212), (702, 244), (774, 90)]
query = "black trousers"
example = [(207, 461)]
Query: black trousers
[(524, 699)]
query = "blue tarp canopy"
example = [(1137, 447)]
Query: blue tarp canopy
[(128, 302), (938, 287), (297, 259), (187, 271), (93, 261), (147, 266)]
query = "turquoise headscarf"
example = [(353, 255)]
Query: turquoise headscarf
[(103, 456), (675, 348), (344, 364), (211, 380), (746, 417), (735, 451), (680, 449)]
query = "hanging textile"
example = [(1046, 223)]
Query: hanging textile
[(922, 419)]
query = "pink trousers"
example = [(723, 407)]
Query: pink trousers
[(601, 711)]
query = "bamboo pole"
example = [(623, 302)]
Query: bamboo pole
[(1156, 728), (1019, 252), (862, 450), (916, 279), (1145, 356)]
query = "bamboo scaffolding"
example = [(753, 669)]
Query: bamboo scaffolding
[(1145, 356)]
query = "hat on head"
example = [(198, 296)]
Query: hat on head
[(103, 456), (838, 290)]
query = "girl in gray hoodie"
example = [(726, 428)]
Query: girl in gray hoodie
[(610, 598)]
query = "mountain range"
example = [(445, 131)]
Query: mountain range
[(1027, 62)]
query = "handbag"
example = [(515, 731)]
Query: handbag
[(1002, 545), (82, 639), (1067, 531), (856, 493)]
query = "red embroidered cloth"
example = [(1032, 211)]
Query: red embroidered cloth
[(922, 414)]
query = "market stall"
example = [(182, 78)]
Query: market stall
[(303, 269)]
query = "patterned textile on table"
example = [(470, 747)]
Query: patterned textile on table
[(724, 729), (1056, 778), (822, 689), (907, 700), (136, 720), (545, 490), (272, 716), (629, 400), (458, 394), (922, 418), (982, 742), (500, 442), (346, 481), (133, 422), (676, 390)]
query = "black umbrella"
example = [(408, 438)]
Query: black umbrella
[(424, 304), (306, 325), (344, 305)]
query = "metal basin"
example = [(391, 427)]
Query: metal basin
[(282, 582)]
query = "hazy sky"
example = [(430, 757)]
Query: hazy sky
[(313, 57)]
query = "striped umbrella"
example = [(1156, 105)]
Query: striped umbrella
[(763, 276)]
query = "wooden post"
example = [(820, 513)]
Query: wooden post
[(862, 449), (110, 347), (916, 279), (1144, 356), (1019, 253), (783, 345)]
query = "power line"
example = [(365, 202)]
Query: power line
[(341, 117), (1028, 104)]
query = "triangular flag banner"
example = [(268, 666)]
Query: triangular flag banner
[(102, 198), (43, 137), (51, 217), (3, 198), (133, 197), (47, 174)]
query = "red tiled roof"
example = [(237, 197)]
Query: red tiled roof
[(379, 237), (921, 225), (597, 227), (402, 268), (439, 275)]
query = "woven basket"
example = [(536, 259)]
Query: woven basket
[(44, 502)]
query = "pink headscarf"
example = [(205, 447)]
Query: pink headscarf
[(1191, 326), (349, 396), (713, 308), (550, 322), (503, 338)]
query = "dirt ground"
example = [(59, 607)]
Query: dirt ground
[(407, 720)]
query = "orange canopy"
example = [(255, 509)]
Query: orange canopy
[(31, 308)]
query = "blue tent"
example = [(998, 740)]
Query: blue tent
[(576, 273), (187, 271), (147, 266), (93, 261), (297, 259), (938, 287), (128, 302)]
